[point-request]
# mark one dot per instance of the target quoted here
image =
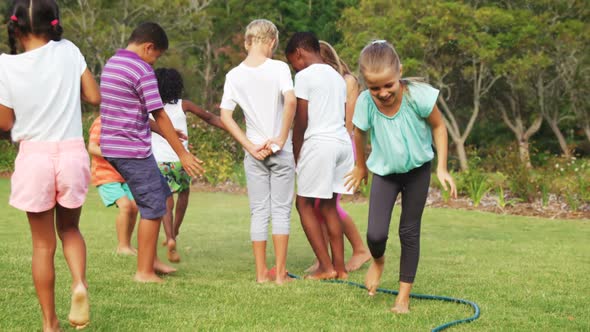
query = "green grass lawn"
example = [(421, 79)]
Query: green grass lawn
[(525, 273)]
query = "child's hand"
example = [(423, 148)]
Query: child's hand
[(446, 179), (355, 178), (275, 145), (259, 152), (192, 164)]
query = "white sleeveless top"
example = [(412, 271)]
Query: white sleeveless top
[(162, 150)]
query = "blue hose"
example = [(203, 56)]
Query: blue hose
[(418, 296)]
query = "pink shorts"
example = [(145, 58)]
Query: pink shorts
[(46, 173)]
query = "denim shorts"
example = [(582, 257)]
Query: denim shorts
[(148, 186)]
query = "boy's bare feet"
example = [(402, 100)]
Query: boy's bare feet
[(374, 275), (401, 306), (173, 255), (357, 261), (162, 268), (322, 275), (284, 280), (140, 277), (341, 275), (53, 327), (79, 316), (264, 277), (126, 251), (313, 267)]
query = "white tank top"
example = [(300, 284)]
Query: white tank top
[(162, 150)]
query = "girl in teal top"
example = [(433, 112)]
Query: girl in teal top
[(403, 120)]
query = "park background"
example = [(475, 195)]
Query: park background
[(513, 76)]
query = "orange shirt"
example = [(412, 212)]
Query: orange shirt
[(102, 171)]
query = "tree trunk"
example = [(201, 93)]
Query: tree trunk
[(462, 154), (560, 138), (587, 132), (524, 152)]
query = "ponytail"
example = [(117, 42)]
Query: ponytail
[(37, 17)]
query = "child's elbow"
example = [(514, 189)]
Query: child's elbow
[(94, 100)]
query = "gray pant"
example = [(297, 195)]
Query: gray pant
[(271, 186)]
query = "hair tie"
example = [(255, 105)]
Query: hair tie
[(379, 41), (14, 18), (54, 22)]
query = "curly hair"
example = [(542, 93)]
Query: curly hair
[(170, 85)]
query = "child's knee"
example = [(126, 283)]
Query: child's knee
[(328, 207)]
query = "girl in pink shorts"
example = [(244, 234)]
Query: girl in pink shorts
[(40, 103)]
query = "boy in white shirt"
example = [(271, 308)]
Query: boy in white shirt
[(322, 148), (263, 89)]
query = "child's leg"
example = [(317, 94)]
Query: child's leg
[(181, 206), (360, 253), (384, 191), (258, 184), (314, 235), (169, 230), (74, 248), (414, 194), (147, 236), (44, 244), (282, 188), (328, 208), (125, 223)]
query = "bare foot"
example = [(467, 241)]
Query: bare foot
[(162, 268), (342, 276), (284, 280), (374, 276), (264, 277), (322, 275), (54, 327), (173, 255), (126, 251), (141, 277), (357, 261), (79, 316), (401, 307), (279, 280), (313, 267)]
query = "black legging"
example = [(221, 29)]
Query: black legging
[(414, 188)]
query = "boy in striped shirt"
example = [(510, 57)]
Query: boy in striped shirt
[(129, 92)]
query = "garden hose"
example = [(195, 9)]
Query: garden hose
[(417, 296)]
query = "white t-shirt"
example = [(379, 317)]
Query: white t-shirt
[(162, 150), (325, 90), (42, 86), (259, 92)]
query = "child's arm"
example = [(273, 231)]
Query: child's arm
[(439, 133), (300, 127), (352, 93), (90, 91), (94, 149), (156, 129), (210, 118), (6, 118), (190, 163), (359, 173), (257, 151), (290, 104)]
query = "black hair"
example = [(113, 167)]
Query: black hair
[(150, 32), (305, 40), (170, 85), (37, 17)]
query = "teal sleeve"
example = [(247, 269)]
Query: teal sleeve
[(424, 97), (362, 118)]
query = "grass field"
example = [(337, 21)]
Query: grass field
[(525, 273)]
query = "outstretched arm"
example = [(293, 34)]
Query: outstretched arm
[(190, 163), (440, 136), (210, 118)]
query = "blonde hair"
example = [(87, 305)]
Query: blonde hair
[(330, 57), (263, 31), (380, 55)]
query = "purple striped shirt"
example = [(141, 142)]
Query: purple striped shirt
[(129, 92)]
